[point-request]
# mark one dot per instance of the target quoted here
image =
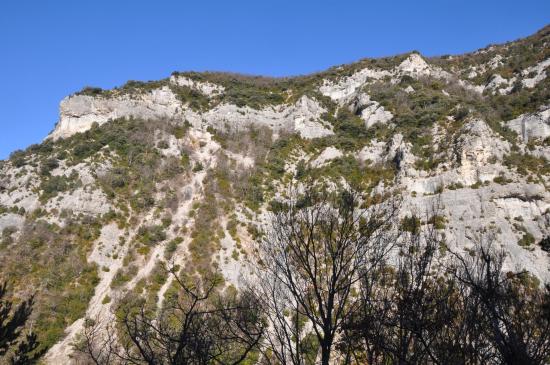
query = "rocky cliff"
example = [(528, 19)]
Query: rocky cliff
[(183, 169)]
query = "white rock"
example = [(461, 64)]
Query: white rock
[(373, 152), (398, 152), (207, 88), (469, 86), (345, 88), (328, 154), (81, 200), (476, 147), (11, 220), (472, 74), (371, 111), (303, 117), (495, 62), (375, 113), (415, 65), (306, 113), (535, 125), (500, 84), (540, 74)]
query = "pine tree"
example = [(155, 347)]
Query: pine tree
[(14, 346)]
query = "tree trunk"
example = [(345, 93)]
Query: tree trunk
[(325, 354), (326, 348)]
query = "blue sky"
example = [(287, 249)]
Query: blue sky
[(49, 49)]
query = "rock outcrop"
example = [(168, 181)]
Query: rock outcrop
[(79, 112), (532, 126)]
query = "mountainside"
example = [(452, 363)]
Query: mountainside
[(183, 170)]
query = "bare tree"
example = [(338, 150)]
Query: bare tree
[(200, 326), (97, 342), (511, 310), (414, 310), (404, 304), (288, 339), (321, 243)]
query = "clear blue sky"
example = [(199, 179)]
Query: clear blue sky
[(51, 48)]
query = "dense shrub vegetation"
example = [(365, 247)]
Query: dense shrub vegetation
[(53, 261)]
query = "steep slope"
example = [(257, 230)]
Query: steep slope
[(182, 171)]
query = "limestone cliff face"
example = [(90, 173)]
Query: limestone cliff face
[(532, 126), (79, 112), (127, 177)]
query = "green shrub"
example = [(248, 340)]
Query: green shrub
[(455, 186), (7, 238), (460, 113), (53, 185), (198, 167), (476, 185), (119, 279), (185, 161), (232, 227), (179, 131), (91, 91), (163, 145), (545, 244), (411, 224), (18, 158), (193, 98), (526, 164), (48, 165), (123, 276), (527, 240), (438, 221), (171, 247), (151, 235)]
